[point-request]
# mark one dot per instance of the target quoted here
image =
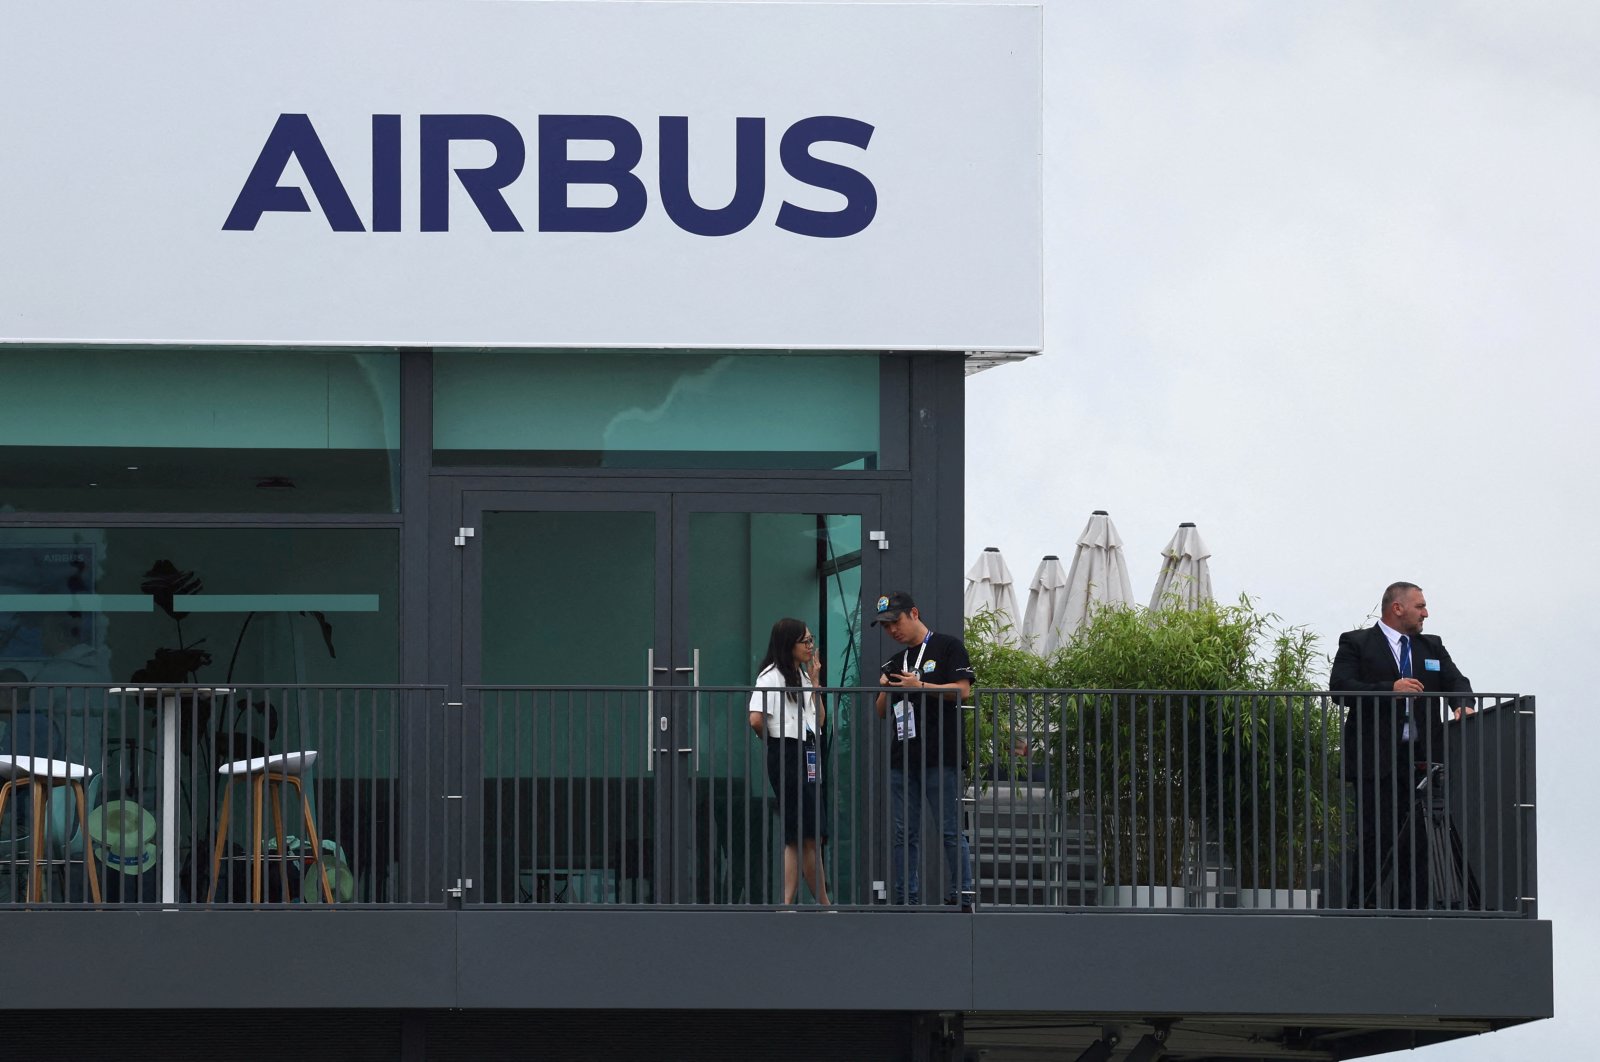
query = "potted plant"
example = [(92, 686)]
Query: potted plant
[(1226, 765)]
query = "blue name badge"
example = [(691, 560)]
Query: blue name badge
[(811, 765), (1430, 665)]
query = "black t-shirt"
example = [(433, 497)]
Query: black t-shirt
[(938, 714)]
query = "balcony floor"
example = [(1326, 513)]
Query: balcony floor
[(1250, 985)]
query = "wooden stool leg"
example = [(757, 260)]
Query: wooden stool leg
[(222, 839), (36, 880), (258, 785), (88, 846), (275, 797), (316, 842), (5, 795)]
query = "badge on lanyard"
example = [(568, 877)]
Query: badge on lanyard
[(905, 716), (905, 721)]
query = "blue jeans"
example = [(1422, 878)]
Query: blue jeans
[(941, 788)]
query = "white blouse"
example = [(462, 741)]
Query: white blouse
[(785, 717)]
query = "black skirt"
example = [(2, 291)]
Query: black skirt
[(801, 804)]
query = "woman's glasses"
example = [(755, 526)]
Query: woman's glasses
[(809, 639)]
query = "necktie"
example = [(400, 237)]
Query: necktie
[(1405, 672)]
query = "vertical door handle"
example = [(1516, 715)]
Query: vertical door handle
[(650, 673), (694, 680)]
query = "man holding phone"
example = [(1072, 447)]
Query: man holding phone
[(924, 686)]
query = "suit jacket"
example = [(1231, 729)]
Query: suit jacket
[(1373, 746)]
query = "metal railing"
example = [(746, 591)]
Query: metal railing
[(1218, 800), (667, 796), (245, 794), (1199, 800)]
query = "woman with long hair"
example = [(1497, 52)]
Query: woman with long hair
[(787, 712)]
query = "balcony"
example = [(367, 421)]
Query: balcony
[(1150, 856)]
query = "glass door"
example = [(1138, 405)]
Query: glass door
[(596, 630), (741, 563), (564, 635)]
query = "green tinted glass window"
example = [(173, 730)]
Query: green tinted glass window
[(107, 430), (672, 409), (252, 605)]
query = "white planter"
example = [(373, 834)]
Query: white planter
[(1142, 896), (1280, 899)]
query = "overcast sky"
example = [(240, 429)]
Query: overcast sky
[(1323, 278)]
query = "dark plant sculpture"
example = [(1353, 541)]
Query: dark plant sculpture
[(164, 582)]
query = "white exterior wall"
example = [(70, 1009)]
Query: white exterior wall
[(132, 127)]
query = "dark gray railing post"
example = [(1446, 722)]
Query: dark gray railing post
[(1527, 804)]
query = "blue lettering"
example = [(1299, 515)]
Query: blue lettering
[(861, 198), (557, 171), (749, 187), (292, 137), (385, 173), (483, 185)]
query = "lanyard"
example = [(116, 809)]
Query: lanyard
[(905, 658)]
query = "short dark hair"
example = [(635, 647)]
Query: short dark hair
[(1392, 592)]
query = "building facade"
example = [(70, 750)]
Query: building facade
[(459, 391)]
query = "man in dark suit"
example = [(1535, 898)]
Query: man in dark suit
[(1391, 735)]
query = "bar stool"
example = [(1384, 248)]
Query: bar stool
[(268, 775), (44, 775)]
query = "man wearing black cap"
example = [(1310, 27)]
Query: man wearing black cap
[(925, 685)]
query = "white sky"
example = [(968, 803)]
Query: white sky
[(1323, 279)]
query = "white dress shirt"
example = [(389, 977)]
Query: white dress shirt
[(785, 717), (1394, 637)]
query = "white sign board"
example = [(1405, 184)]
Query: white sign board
[(488, 174)]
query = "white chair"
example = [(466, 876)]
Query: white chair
[(43, 775), (268, 775)]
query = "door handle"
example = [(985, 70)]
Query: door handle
[(693, 670), (650, 720), (650, 673)]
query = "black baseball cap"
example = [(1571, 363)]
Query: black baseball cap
[(891, 605)]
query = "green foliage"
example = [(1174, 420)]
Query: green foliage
[(1211, 647), (1199, 729), (1003, 716), (1001, 666)]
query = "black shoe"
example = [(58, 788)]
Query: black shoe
[(966, 908)]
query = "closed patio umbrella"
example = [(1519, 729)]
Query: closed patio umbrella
[(1098, 576), (1185, 577), (1046, 595), (989, 589)]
